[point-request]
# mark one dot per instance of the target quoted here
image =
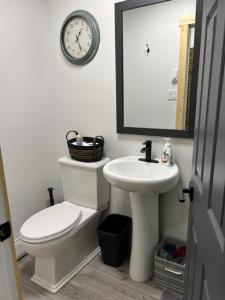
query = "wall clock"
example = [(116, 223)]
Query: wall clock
[(79, 37)]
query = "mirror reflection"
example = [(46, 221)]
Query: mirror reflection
[(158, 48)]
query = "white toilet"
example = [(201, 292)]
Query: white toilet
[(63, 238)]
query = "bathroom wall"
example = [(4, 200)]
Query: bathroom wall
[(85, 100), (43, 96), (26, 107)]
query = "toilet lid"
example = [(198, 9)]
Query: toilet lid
[(51, 223)]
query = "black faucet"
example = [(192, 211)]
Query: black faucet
[(148, 151)]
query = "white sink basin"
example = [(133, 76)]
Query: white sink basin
[(133, 175), (144, 181)]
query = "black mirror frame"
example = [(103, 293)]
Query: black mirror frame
[(120, 7)]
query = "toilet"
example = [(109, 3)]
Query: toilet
[(63, 238)]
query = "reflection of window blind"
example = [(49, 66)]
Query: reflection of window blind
[(189, 87)]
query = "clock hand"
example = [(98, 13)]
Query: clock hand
[(80, 46), (77, 36), (80, 32)]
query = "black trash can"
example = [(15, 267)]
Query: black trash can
[(114, 239)]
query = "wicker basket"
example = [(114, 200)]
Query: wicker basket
[(168, 274), (90, 153)]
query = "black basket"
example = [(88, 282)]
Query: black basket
[(86, 153)]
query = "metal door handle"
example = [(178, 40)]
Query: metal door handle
[(189, 191), (179, 273)]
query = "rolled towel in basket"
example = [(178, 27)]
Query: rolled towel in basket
[(84, 144)]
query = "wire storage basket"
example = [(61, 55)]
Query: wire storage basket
[(90, 150), (169, 274)]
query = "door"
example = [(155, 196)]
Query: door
[(206, 237), (9, 281)]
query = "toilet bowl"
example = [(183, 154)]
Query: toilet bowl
[(63, 238)]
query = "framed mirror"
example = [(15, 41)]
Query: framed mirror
[(157, 54)]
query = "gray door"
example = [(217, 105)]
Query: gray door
[(206, 237)]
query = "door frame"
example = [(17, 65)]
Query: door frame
[(11, 290)]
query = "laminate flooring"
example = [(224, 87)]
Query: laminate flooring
[(95, 282)]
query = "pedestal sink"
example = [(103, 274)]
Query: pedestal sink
[(144, 181)]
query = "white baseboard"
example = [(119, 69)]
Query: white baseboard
[(19, 249)]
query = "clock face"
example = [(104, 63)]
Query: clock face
[(77, 37)]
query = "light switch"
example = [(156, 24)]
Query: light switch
[(174, 76), (172, 94)]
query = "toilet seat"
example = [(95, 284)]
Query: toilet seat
[(51, 223)]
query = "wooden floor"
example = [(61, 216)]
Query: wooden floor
[(95, 282)]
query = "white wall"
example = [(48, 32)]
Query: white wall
[(26, 106), (147, 79), (43, 96), (85, 99)]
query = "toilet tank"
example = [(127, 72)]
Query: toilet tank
[(84, 183)]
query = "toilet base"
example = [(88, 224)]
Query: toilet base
[(54, 288), (69, 257)]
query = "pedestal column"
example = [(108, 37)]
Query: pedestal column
[(145, 235)]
